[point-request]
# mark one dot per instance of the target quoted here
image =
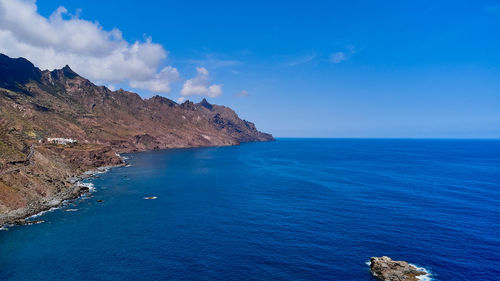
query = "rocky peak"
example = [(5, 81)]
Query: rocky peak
[(68, 72), (160, 100), (188, 105), (17, 72), (124, 97), (64, 73), (206, 104)]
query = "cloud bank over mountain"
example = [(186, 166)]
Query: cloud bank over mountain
[(200, 85)]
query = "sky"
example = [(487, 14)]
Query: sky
[(375, 69)]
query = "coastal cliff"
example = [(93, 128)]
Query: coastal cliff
[(36, 106)]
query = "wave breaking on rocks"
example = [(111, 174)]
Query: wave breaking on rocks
[(386, 269)]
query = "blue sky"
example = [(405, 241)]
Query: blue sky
[(324, 68)]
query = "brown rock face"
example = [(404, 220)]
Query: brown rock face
[(36, 105), (384, 268)]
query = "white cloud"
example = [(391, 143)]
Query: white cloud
[(91, 51), (301, 60), (200, 85), (338, 57), (181, 99), (160, 83), (242, 93)]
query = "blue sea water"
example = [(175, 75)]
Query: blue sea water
[(294, 209)]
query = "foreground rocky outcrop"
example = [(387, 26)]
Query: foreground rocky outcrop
[(36, 105), (384, 268)]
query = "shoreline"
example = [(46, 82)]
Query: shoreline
[(23, 216)]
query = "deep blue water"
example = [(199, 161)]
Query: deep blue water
[(295, 209)]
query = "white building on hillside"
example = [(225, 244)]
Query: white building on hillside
[(61, 141)]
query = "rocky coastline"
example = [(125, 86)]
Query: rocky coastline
[(386, 269), (22, 216), (55, 125)]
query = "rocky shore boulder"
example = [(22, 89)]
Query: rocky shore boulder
[(384, 268)]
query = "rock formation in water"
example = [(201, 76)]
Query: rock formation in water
[(42, 109), (384, 268)]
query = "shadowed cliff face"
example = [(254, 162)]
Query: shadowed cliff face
[(35, 105)]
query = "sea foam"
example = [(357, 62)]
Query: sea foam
[(43, 212), (426, 277), (88, 185)]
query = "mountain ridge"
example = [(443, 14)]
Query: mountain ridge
[(38, 105)]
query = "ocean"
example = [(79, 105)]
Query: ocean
[(294, 209)]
